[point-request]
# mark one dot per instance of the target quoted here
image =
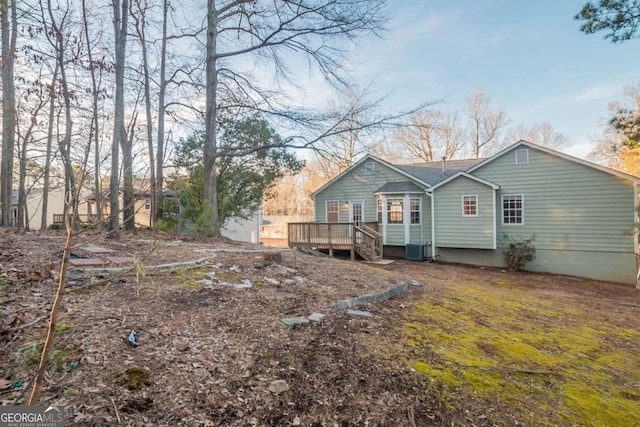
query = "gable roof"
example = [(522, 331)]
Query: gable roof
[(361, 161), (466, 175), (431, 172), (399, 187), (557, 154)]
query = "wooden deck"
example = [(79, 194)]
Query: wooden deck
[(362, 239)]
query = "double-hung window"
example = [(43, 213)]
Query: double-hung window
[(395, 211), (333, 207), (380, 208), (513, 209), (414, 207), (470, 205)]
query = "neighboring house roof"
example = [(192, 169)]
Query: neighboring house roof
[(557, 154), (466, 175), (399, 187), (432, 172)]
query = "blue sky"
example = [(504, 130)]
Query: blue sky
[(529, 56)]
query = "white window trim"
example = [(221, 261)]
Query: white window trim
[(525, 150), (387, 211), (475, 196), (326, 209), (380, 210), (370, 168), (502, 210), (419, 211), (351, 202)]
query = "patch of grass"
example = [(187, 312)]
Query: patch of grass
[(190, 276), (28, 356), (134, 378), (516, 349), (61, 328), (70, 392)]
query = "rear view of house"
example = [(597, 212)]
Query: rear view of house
[(582, 216)]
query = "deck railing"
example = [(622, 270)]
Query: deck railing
[(88, 218), (369, 243), (363, 239), (323, 235)]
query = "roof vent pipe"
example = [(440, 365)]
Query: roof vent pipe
[(444, 165)]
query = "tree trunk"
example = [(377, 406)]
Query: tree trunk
[(47, 165), (94, 132), (120, 14), (210, 199), (140, 28), (128, 196), (8, 41), (64, 145), (160, 140)]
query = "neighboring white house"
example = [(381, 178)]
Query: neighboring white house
[(243, 230), (34, 206)]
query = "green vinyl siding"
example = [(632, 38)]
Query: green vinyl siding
[(355, 185), (567, 205), (453, 230), (395, 235)]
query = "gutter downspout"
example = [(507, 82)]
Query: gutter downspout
[(636, 241), (433, 223)]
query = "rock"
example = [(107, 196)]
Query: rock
[(278, 386), (234, 268), (359, 313), (294, 322), (297, 421), (316, 317), (271, 281), (205, 282), (289, 281)]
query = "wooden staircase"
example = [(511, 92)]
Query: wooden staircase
[(368, 243)]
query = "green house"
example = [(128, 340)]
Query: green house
[(584, 216)]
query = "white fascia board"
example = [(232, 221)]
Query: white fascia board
[(359, 162), (560, 155), (466, 175)]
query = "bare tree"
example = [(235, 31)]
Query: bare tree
[(94, 131), (8, 35), (431, 135), (617, 146), (139, 16), (542, 133), (120, 18), (57, 39), (313, 29), (485, 124)]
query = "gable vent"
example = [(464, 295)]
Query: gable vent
[(522, 156)]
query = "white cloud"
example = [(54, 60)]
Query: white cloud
[(594, 93)]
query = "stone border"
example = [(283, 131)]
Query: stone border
[(366, 299)]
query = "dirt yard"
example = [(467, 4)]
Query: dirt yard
[(471, 346)]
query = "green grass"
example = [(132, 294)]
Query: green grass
[(532, 355)]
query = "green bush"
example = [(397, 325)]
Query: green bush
[(56, 226), (519, 253)]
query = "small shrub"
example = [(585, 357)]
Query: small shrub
[(519, 253), (56, 226)]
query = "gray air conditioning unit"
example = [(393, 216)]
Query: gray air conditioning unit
[(415, 253)]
